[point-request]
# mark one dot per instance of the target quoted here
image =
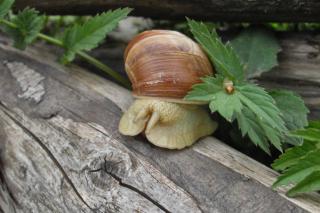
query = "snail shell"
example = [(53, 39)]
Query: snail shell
[(165, 64)]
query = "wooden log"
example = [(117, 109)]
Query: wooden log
[(298, 70), (63, 152), (216, 10)]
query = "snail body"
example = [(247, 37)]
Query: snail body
[(162, 66)]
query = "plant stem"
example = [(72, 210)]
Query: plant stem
[(50, 39), (91, 60), (8, 23), (105, 68), (95, 62)]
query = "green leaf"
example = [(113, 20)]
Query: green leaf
[(28, 24), (293, 155), (267, 113), (212, 90), (314, 124), (308, 184), (255, 110), (248, 125), (311, 134), (5, 6), (293, 110), (206, 91), (257, 49), (304, 167), (92, 33), (226, 104), (301, 164), (222, 56)]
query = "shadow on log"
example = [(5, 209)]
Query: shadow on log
[(63, 152)]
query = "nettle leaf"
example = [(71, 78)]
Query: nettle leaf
[(308, 184), (257, 49), (253, 108), (267, 114), (293, 110), (90, 34), (314, 124), (223, 56), (212, 91), (227, 105), (248, 125), (5, 6), (206, 91), (311, 134), (293, 155), (28, 24), (301, 164)]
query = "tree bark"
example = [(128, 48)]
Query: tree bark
[(216, 10), (61, 152)]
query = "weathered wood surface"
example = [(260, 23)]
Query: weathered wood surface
[(299, 69), (61, 152), (215, 10)]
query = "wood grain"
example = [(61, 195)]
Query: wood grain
[(100, 175), (215, 10), (63, 153), (298, 69)]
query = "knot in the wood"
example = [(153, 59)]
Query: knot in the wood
[(111, 164)]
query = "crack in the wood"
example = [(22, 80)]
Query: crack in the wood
[(108, 168), (42, 145), (118, 178), (137, 151), (197, 203), (50, 115)]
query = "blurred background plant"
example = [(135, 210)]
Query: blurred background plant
[(54, 25)]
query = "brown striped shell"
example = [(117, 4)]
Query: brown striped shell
[(164, 64)]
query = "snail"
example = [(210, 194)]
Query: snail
[(162, 66)]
